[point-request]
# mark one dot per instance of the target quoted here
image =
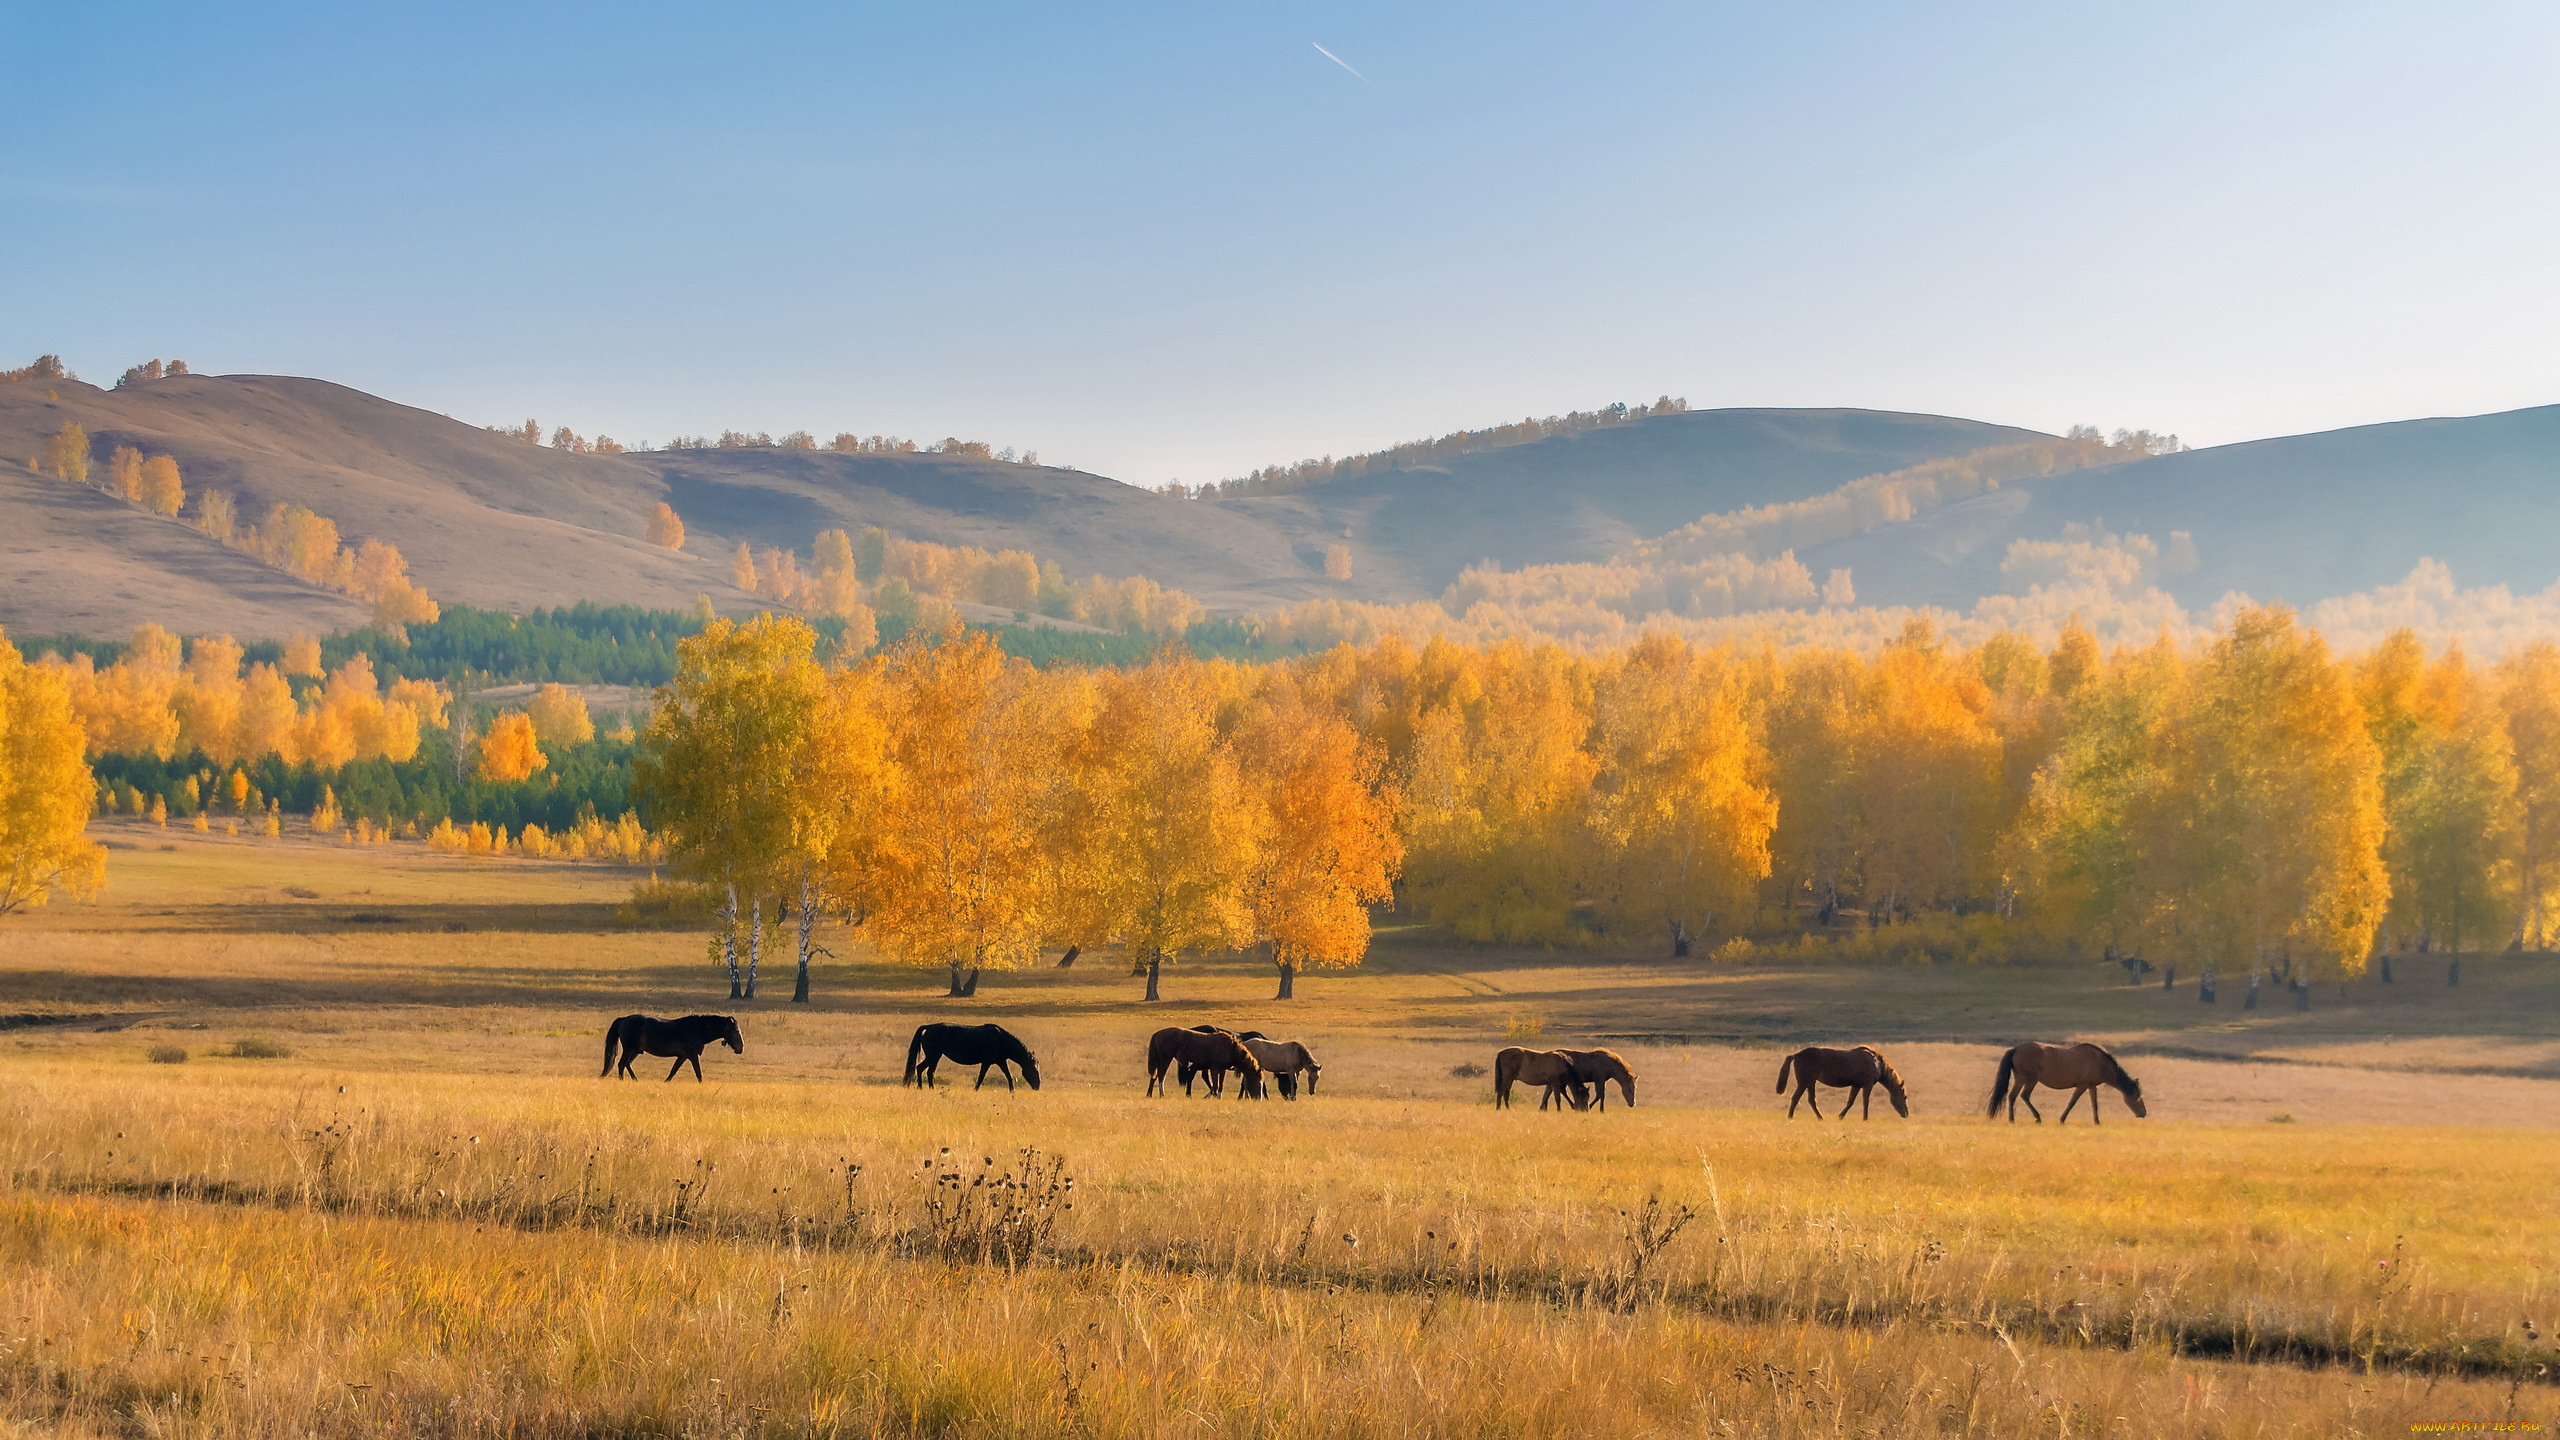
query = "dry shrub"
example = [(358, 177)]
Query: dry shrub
[(167, 1054)]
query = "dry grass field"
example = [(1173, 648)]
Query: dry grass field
[(428, 1216)]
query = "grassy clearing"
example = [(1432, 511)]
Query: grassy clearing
[(178, 1319), (429, 1218)]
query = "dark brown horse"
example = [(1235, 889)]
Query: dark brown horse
[(1859, 1070), (633, 1036), (1282, 1061), (1551, 1070), (985, 1046), (2080, 1069), (1210, 1052), (1597, 1068)]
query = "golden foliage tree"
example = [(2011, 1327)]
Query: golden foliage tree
[(124, 474), (2529, 693), (560, 716), (742, 568), (46, 789), (302, 655), (721, 766), (158, 488), (66, 453), (1499, 781), (1680, 814), (666, 528), (1325, 823), (2274, 791), (1174, 834), (960, 883), (510, 751)]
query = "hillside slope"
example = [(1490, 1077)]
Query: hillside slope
[(1583, 497), (2299, 518), (492, 521)]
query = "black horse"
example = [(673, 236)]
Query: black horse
[(988, 1047), (633, 1036)]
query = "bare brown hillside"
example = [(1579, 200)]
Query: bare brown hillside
[(492, 521), (1583, 497)]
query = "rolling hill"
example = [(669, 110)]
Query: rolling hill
[(1583, 497), (495, 522), (2299, 518), (490, 520)]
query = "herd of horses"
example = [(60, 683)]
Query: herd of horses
[(1578, 1079)]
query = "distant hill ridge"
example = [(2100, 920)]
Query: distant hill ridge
[(488, 520)]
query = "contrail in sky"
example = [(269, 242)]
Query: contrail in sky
[(1338, 60)]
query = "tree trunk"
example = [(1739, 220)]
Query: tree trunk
[(2386, 967), (1288, 981), (755, 942), (729, 939), (808, 923), (1155, 969), (2453, 971), (461, 728), (1679, 940), (955, 992), (2250, 1001), (970, 988), (2169, 978), (2205, 989), (2302, 994), (1070, 957)]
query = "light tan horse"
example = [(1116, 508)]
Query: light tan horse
[(1598, 1068), (2080, 1069), (1284, 1061), (1551, 1069), (1859, 1070)]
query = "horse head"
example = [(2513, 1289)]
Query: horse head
[(730, 1037), (2133, 1095), (1030, 1066), (1894, 1091)]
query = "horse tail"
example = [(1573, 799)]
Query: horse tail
[(2000, 1084), (915, 1055), (1783, 1067), (612, 1046)]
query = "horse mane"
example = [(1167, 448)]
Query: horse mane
[(2115, 1072), (1892, 1077)]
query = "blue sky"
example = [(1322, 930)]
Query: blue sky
[(1176, 241)]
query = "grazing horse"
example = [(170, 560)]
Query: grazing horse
[(989, 1047), (1213, 1052), (1860, 1070), (1551, 1069), (1284, 1060), (1598, 1067), (2080, 1069), (633, 1036), (1281, 1060)]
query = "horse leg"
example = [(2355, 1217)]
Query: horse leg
[(2093, 1104), (1007, 1067), (1866, 1102), (672, 1070), (1813, 1098), (982, 1076), (696, 1059), (2074, 1105), (2031, 1104), (1795, 1100)]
